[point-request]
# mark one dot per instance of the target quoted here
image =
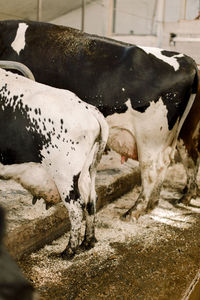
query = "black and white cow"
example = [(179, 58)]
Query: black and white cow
[(145, 93), (189, 149), (13, 285), (51, 142)]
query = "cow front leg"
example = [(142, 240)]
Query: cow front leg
[(75, 211)]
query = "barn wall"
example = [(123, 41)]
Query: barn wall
[(96, 18), (188, 37), (127, 21)]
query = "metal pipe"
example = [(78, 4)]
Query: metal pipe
[(185, 8), (83, 16), (160, 20), (110, 17), (39, 10), (13, 65), (182, 13), (154, 15), (114, 16)]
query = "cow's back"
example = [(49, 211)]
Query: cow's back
[(101, 71)]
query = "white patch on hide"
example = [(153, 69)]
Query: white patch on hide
[(169, 60), (151, 126), (19, 42), (154, 143)]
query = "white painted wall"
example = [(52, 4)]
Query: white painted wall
[(188, 37), (134, 16), (137, 15), (173, 12), (96, 18), (188, 42), (131, 15)]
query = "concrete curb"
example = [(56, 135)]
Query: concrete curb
[(31, 235)]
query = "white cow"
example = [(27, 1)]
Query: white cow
[(51, 142)]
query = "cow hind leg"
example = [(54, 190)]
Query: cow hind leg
[(75, 211), (88, 192), (152, 180), (191, 168), (86, 199), (90, 211), (152, 173), (191, 189)]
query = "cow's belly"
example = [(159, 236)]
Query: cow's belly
[(34, 178)]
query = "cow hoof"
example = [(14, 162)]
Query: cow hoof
[(87, 245), (34, 200), (130, 216), (68, 253), (185, 199), (126, 217), (174, 201), (48, 205)]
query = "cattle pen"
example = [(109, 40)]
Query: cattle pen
[(137, 63)]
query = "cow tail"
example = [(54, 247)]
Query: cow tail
[(103, 136), (196, 82), (93, 160), (98, 148)]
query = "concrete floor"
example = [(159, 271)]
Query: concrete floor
[(155, 258)]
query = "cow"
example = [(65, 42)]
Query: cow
[(189, 149), (51, 142), (13, 285), (145, 93)]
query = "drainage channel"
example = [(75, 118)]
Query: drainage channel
[(193, 292)]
